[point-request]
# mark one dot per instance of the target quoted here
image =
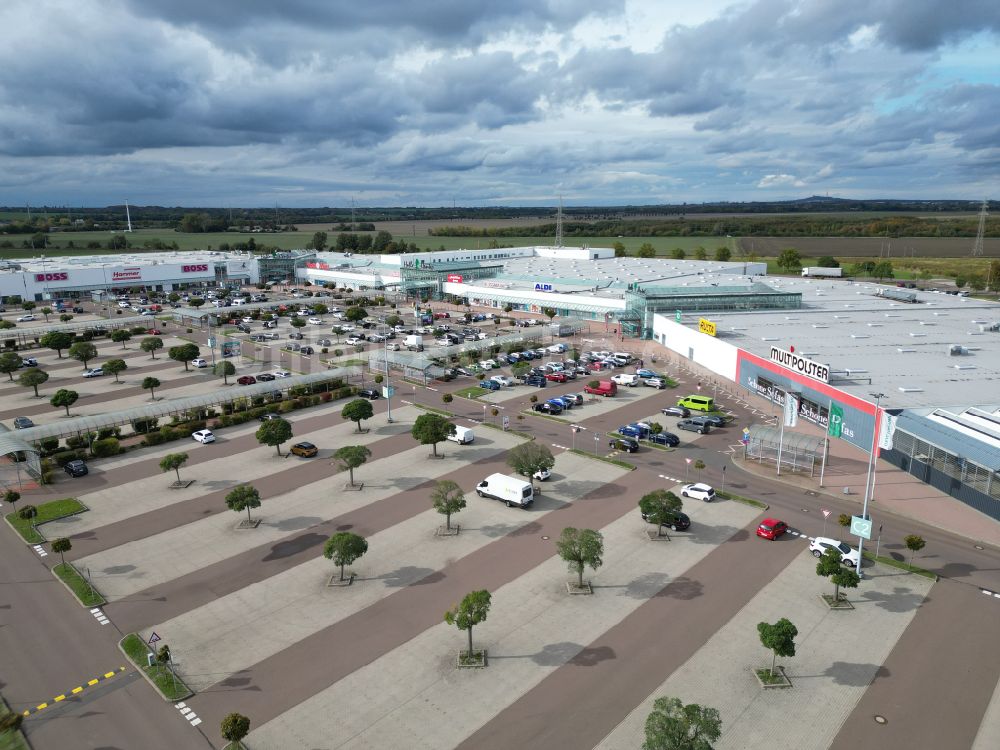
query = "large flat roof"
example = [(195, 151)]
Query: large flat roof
[(38, 264), (903, 348)]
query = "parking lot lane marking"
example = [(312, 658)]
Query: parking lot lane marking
[(41, 706), (59, 698), (92, 682), (76, 690), (196, 722)]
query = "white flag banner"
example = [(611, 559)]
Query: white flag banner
[(791, 410), (887, 428)]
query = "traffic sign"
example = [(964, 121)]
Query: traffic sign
[(153, 638), (388, 391), (825, 512), (211, 342), (506, 423), (861, 527)]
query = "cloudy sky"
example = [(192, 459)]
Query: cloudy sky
[(480, 102)]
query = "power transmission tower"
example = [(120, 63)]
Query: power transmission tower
[(977, 247), (559, 231)]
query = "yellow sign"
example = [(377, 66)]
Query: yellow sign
[(706, 326)]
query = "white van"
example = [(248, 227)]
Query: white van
[(510, 490), (623, 357), (238, 301), (556, 348), (462, 435)]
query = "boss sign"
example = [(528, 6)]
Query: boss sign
[(63, 276), (199, 268)]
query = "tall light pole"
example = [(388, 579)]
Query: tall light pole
[(388, 387), (868, 481)]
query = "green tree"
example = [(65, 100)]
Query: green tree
[(225, 368), (320, 309), (274, 432), (184, 353), (351, 457), (243, 498), (619, 249), (829, 566), (700, 253), (65, 318), (235, 727), (344, 548), (356, 410), (431, 429), (32, 378), (64, 398), (827, 261), (196, 302), (12, 496), (914, 543), (6, 324), (28, 306), (46, 311), (10, 362), (174, 462), (318, 241), (62, 546), (471, 611), (673, 726), (298, 322), (779, 637), (121, 335), (660, 507), (151, 344), (150, 384), (723, 254), (789, 260), (527, 458), (883, 270), (844, 520), (579, 548), (447, 497), (678, 253), (83, 351), (518, 369), (57, 340), (115, 366), (646, 250), (28, 513), (354, 314)]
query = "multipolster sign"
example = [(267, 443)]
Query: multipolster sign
[(808, 367)]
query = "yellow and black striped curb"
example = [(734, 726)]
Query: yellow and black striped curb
[(75, 691)]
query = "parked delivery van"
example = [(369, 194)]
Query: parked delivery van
[(698, 403), (511, 490), (462, 435)]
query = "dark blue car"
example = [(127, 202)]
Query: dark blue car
[(665, 438)]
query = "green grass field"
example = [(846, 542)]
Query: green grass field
[(172, 688), (50, 511)]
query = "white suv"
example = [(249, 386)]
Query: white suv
[(821, 544), (698, 491)]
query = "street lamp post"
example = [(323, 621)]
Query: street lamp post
[(871, 471), (388, 386)]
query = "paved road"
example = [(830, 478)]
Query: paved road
[(937, 681)]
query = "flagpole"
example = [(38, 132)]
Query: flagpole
[(781, 435), (826, 444)]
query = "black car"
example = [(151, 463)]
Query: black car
[(22, 423), (625, 444), (76, 468), (243, 328), (710, 419), (307, 350), (370, 393), (676, 411), (665, 438), (295, 335), (679, 522), (548, 408), (536, 380), (691, 426), (265, 377), (78, 310)]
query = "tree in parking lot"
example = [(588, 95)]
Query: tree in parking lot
[(235, 727), (354, 314), (518, 369), (196, 302), (914, 543), (338, 332), (579, 548), (829, 566), (173, 462), (351, 457), (115, 366), (528, 458), (225, 369), (28, 513), (431, 429), (447, 498), (471, 611), (151, 344), (394, 320), (65, 317), (121, 335), (298, 322), (673, 726), (549, 312), (46, 311), (64, 398), (12, 496), (779, 637), (320, 309), (184, 353), (243, 498), (151, 384), (10, 362), (844, 520), (57, 340), (32, 378), (274, 432), (62, 546), (660, 507), (356, 410), (344, 548), (28, 306), (83, 351)]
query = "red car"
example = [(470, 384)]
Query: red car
[(771, 528), (154, 331), (246, 380), (557, 377)]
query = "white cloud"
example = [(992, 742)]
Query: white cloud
[(780, 180)]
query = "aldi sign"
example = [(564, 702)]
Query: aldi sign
[(544, 288)]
